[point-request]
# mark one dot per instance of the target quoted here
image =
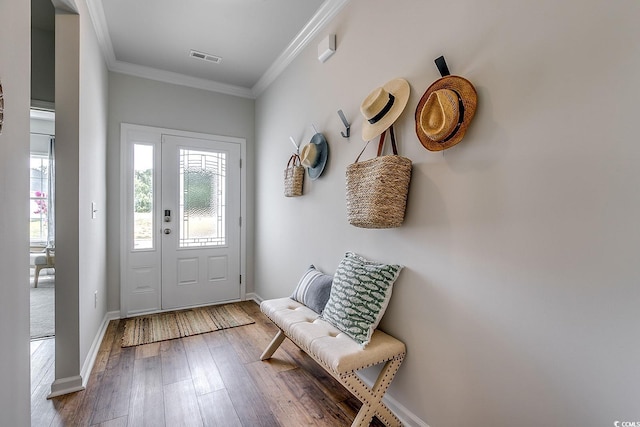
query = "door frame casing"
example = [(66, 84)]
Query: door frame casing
[(156, 134)]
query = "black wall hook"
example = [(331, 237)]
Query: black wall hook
[(442, 66), (346, 124)]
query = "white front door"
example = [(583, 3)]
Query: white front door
[(201, 233), (182, 222)]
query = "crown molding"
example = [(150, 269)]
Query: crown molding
[(179, 79), (96, 12), (324, 15)]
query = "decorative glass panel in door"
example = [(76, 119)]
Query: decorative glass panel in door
[(202, 198)]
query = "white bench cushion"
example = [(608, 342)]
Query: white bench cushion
[(326, 343)]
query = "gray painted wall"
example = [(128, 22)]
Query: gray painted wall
[(518, 302), (81, 121), (146, 102), (14, 185), (67, 191), (92, 173)]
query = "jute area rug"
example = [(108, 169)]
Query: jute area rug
[(183, 323)]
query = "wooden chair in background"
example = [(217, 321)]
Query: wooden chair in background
[(47, 259)]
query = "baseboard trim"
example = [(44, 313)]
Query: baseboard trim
[(65, 386), (253, 297), (95, 346), (407, 417), (76, 383)]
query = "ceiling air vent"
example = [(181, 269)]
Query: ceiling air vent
[(205, 56)]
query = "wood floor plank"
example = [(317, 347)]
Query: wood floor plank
[(43, 411), (317, 374), (118, 422), (204, 372), (318, 405), (104, 351), (77, 408), (35, 344), (248, 342), (115, 348), (147, 394), (217, 410), (250, 405), (286, 407), (262, 321), (42, 363), (147, 350), (181, 405), (215, 339), (115, 390), (175, 366)]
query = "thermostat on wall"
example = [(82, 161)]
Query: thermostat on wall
[(327, 47)]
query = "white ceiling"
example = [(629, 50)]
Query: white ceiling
[(256, 39)]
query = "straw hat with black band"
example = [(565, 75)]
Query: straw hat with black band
[(445, 112), (383, 106)]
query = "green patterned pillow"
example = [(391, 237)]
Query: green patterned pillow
[(359, 296)]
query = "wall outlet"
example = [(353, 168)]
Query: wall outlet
[(95, 299)]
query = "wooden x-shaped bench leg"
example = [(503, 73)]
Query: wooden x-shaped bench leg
[(371, 398), (273, 346)]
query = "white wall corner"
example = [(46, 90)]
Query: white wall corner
[(251, 296)]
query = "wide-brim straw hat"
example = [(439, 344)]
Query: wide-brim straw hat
[(383, 106), (314, 155), (434, 105)]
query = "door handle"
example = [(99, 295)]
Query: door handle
[(167, 231)]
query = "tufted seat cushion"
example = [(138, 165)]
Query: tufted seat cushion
[(328, 344)]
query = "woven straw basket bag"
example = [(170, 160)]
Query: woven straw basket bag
[(293, 177), (377, 189)]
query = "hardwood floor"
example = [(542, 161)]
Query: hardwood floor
[(214, 379)]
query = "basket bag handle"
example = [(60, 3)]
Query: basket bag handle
[(295, 159), (381, 144)]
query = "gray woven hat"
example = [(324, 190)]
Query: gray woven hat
[(314, 155)]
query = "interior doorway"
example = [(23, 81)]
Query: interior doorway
[(42, 225)]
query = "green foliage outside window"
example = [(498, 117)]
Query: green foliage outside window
[(143, 190)]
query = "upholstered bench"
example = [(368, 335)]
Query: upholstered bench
[(340, 355)]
